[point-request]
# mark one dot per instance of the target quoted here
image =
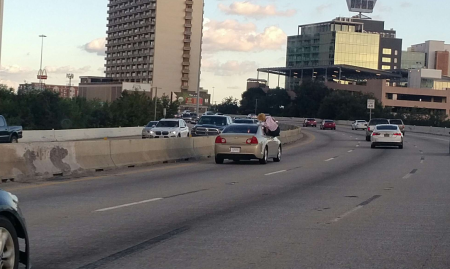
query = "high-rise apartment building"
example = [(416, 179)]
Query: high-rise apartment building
[(156, 42), (2, 5)]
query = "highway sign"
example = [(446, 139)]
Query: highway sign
[(370, 104)]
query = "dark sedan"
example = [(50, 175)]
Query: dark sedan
[(211, 125), (12, 227)]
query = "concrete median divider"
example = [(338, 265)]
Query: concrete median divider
[(34, 161)]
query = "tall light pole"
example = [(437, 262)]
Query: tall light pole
[(42, 73), (214, 90), (70, 77)]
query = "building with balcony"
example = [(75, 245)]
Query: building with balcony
[(156, 42)]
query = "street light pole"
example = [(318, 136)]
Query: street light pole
[(41, 72), (156, 100), (214, 90)]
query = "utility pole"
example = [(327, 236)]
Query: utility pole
[(156, 100), (214, 89), (70, 77), (42, 73)]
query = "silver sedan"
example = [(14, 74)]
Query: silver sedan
[(387, 135)]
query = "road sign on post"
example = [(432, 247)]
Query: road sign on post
[(370, 106)]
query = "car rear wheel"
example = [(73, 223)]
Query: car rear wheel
[(278, 158), (367, 138), (9, 245), (264, 158), (372, 146), (219, 160), (401, 146)]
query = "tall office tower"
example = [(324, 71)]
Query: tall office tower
[(156, 42)]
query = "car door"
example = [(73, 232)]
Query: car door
[(185, 129), (272, 145), (4, 135)]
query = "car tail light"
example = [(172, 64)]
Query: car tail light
[(398, 134), (252, 140), (220, 140), (376, 134), (368, 128)]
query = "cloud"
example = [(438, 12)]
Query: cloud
[(323, 7), (231, 35), (67, 69), (234, 88), (405, 5), (96, 46), (229, 68), (256, 11)]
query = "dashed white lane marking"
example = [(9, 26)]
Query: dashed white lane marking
[(127, 205), (347, 213), (410, 174), (357, 145), (330, 159), (350, 151), (277, 172)]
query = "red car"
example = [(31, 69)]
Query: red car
[(310, 122), (328, 124)]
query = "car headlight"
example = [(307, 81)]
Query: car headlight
[(151, 132), (174, 132), (14, 198)]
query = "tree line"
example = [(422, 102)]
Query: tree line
[(313, 99), (46, 110)]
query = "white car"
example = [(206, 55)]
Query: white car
[(359, 124), (169, 128), (387, 135)]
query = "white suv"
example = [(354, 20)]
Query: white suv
[(169, 128), (359, 124)]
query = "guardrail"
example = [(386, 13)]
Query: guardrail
[(31, 161)]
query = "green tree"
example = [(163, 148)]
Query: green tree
[(229, 105), (310, 95), (278, 102), (249, 101)]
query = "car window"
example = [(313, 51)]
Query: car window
[(400, 122), (2, 122), (150, 124), (387, 128), (244, 121), (378, 121), (218, 121), (241, 129), (168, 124), (329, 121), (361, 121), (310, 119)]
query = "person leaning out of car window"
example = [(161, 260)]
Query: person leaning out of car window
[(270, 125)]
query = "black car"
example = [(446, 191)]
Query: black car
[(13, 227), (9, 134), (211, 125)]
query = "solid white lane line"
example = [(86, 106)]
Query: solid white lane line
[(127, 205), (347, 213), (277, 172), (350, 151), (407, 176), (329, 159)]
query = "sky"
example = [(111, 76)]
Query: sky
[(239, 36)]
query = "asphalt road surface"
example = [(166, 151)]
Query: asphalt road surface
[(331, 203)]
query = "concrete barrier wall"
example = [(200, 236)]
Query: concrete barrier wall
[(78, 134), (31, 161)]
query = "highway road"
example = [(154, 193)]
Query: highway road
[(331, 203)]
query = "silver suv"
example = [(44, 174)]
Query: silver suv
[(371, 126)]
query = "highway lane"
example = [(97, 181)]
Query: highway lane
[(331, 203)]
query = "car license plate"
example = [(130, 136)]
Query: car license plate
[(386, 135), (235, 150)]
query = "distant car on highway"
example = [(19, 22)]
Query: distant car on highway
[(13, 227), (387, 135), (328, 124), (219, 114), (187, 117), (245, 121), (252, 116), (170, 128), (194, 118), (148, 128), (371, 126), (211, 125), (310, 123), (399, 123), (208, 113), (246, 142), (9, 134), (359, 124)]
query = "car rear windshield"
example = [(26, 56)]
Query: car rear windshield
[(329, 121), (244, 121), (378, 121), (241, 129), (217, 121), (167, 124), (360, 121), (310, 119), (150, 124), (387, 128), (399, 122), (186, 115)]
